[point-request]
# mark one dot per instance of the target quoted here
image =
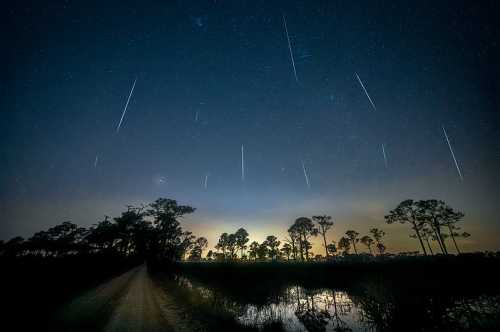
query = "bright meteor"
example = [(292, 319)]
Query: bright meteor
[(290, 49), (125, 108), (453, 154), (385, 156), (366, 92), (305, 175)]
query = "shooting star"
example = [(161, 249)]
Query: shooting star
[(385, 156), (305, 174), (242, 163), (366, 92), (453, 155), (205, 183), (96, 160), (290, 49), (125, 108)]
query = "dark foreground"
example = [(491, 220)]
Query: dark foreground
[(129, 302), (412, 294)]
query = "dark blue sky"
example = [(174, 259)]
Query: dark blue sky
[(70, 65)]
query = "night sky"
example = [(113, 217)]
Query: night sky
[(215, 75)]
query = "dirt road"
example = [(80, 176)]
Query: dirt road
[(129, 302)]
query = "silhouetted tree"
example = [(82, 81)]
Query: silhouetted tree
[(293, 240), (103, 236), (286, 250), (253, 250), (368, 242), (324, 223), (241, 240), (60, 240), (378, 234), (232, 245), (262, 251), (353, 237), (425, 235), (381, 248), (344, 245), (272, 244), (303, 229), (168, 232), (187, 242), (222, 244), (430, 212), (332, 248), (126, 226), (437, 214), (408, 212), (200, 244), (450, 220), (307, 247)]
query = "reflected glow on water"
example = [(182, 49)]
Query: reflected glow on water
[(305, 310), (371, 307)]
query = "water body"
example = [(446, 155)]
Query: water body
[(370, 306)]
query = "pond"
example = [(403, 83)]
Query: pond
[(367, 306)]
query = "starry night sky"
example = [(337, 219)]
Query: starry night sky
[(215, 75)]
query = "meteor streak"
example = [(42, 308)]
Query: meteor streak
[(383, 153), (96, 160), (205, 183), (125, 108), (305, 175), (366, 92), (453, 155), (290, 49)]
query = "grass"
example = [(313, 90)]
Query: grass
[(211, 313), (468, 272)]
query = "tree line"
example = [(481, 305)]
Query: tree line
[(150, 231), (154, 231), (430, 221)]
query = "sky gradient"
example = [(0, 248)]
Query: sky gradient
[(215, 75)]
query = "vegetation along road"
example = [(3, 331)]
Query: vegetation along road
[(129, 302)]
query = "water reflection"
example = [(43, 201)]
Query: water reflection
[(307, 310), (367, 307)]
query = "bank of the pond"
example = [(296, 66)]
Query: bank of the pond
[(464, 273), (207, 313), (410, 294)]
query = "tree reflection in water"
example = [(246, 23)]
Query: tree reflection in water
[(371, 306), (306, 310)]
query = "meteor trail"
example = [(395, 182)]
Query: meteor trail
[(125, 108), (290, 49), (205, 183), (96, 160), (305, 175), (366, 92), (453, 155), (385, 157), (242, 163)]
